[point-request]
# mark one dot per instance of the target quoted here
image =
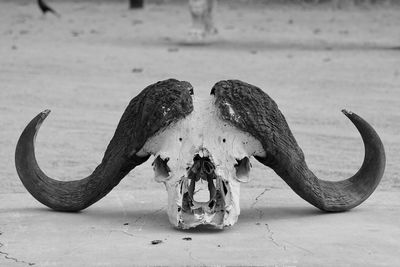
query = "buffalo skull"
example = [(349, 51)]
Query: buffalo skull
[(202, 150)]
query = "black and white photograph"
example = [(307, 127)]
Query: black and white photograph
[(199, 133)]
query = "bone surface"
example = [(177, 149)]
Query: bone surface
[(202, 152)]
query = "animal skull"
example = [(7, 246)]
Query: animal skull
[(202, 150), (202, 160)]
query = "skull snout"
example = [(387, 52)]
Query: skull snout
[(202, 180)]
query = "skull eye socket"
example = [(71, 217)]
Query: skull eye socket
[(161, 169), (243, 167)]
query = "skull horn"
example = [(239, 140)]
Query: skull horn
[(144, 116), (255, 112)]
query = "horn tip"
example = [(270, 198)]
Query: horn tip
[(347, 112), (45, 113)]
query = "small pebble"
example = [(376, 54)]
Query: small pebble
[(126, 223), (317, 31), (187, 238), (75, 33), (155, 242), (137, 70), (136, 22), (173, 49)]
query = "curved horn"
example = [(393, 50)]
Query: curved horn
[(156, 107), (256, 113)]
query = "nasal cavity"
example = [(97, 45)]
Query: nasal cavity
[(207, 167), (202, 191), (202, 180)]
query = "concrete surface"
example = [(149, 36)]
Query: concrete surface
[(275, 228), (87, 65)]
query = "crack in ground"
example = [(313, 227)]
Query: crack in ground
[(125, 231), (299, 247), (272, 239), (193, 258), (144, 216), (260, 212), (8, 257)]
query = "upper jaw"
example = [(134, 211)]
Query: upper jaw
[(185, 212), (194, 213)]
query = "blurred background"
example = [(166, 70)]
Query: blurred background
[(87, 61)]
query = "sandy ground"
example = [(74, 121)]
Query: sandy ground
[(276, 229), (88, 64)]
